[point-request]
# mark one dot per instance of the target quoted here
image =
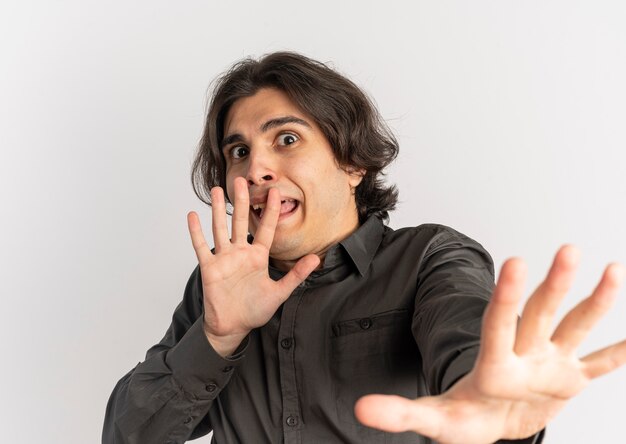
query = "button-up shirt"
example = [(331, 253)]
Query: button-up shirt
[(390, 311)]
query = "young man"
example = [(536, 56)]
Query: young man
[(313, 302)]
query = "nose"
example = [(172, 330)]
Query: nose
[(260, 169)]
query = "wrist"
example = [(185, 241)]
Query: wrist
[(224, 345)]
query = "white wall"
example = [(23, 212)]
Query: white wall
[(510, 117)]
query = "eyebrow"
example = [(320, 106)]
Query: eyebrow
[(272, 123)]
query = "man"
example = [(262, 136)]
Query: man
[(312, 302)]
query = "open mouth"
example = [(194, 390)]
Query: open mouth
[(287, 207)]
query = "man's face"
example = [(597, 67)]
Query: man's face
[(273, 144)]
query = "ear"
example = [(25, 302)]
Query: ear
[(355, 176)]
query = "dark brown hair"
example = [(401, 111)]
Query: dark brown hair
[(358, 136)]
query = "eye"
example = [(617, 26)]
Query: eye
[(237, 152), (287, 139)]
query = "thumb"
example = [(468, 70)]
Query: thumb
[(397, 414), (298, 274)]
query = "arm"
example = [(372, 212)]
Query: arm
[(166, 397), (455, 284), (525, 372)]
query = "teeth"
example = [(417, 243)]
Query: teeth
[(262, 205)]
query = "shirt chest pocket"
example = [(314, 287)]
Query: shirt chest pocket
[(373, 354)]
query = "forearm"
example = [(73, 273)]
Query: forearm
[(167, 396)]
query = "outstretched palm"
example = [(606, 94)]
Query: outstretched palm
[(525, 371), (239, 294)]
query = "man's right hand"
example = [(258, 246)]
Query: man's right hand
[(239, 294)]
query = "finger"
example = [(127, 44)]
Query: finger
[(240, 214), (500, 319), (203, 252), (264, 234), (535, 326), (577, 324), (397, 414), (218, 216), (604, 361), (298, 274)]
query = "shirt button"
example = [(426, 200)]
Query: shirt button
[(211, 387), (188, 420), (292, 421), (227, 368), (286, 343), (365, 323)]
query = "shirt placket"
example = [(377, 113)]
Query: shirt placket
[(292, 417)]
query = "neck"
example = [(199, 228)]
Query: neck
[(287, 264)]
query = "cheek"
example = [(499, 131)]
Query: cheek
[(328, 196), (229, 191), (232, 172)]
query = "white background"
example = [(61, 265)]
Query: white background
[(511, 120)]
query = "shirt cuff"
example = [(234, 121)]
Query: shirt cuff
[(197, 367)]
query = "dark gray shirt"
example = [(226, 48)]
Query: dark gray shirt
[(390, 311)]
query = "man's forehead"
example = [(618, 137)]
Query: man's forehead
[(265, 104), (268, 108)]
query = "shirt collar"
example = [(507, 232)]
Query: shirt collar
[(360, 246)]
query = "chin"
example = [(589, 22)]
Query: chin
[(286, 251)]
